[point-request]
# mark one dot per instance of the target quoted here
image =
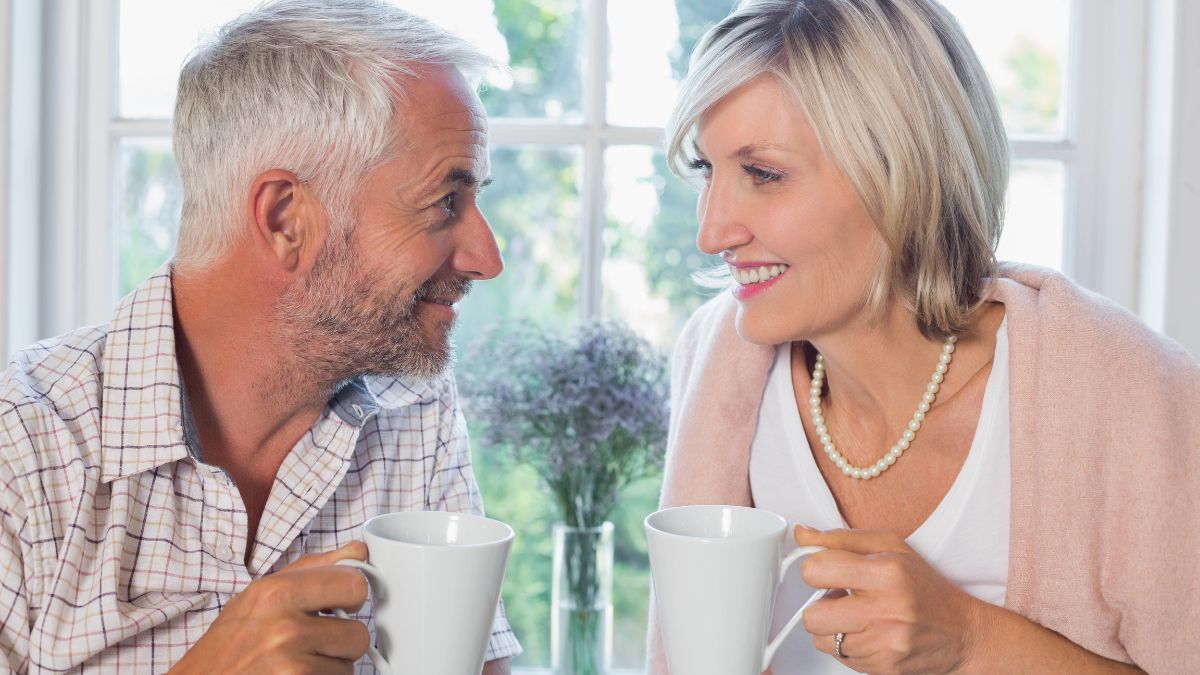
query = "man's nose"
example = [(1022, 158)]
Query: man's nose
[(477, 255)]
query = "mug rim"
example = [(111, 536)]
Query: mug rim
[(715, 540), (509, 534)]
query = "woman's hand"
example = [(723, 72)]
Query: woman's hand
[(902, 616)]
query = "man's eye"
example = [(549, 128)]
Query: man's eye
[(447, 203)]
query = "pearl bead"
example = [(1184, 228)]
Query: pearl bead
[(874, 470)]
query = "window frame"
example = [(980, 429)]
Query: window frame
[(1102, 167)]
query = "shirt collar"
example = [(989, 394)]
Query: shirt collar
[(141, 417)]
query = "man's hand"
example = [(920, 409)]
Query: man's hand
[(273, 626)]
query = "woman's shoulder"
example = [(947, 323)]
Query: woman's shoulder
[(1053, 315)]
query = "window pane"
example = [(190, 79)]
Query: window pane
[(147, 205), (541, 40), (1023, 45), (650, 245), (1033, 222), (652, 41), (534, 209), (155, 38)]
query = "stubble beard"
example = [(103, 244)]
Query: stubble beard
[(346, 322)]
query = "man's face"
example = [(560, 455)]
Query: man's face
[(380, 298)]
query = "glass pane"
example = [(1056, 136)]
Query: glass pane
[(534, 209), (147, 206), (650, 245), (155, 38), (1024, 46), (652, 41), (1033, 222), (541, 41)]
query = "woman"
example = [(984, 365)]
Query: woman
[(1003, 466)]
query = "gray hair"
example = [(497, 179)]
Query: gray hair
[(898, 99), (304, 85)]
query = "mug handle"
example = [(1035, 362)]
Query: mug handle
[(783, 568), (374, 578)]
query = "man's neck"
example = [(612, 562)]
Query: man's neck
[(251, 398)]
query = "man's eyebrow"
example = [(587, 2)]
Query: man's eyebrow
[(466, 178)]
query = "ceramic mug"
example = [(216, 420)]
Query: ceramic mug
[(435, 584), (715, 570)]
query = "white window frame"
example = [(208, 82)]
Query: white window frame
[(1103, 168)]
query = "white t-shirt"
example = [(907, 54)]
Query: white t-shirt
[(965, 538)]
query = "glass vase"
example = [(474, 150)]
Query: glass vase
[(581, 597)]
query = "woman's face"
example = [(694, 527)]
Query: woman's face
[(798, 240)]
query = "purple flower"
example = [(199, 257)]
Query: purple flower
[(587, 409)]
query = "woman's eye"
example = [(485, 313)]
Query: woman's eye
[(760, 175), (700, 166)]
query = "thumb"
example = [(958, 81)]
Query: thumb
[(355, 550)]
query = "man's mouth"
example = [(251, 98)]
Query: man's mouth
[(449, 302)]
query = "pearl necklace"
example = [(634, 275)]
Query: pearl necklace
[(906, 439)]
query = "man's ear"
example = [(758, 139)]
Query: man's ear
[(287, 220)]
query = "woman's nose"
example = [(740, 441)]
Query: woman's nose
[(721, 221)]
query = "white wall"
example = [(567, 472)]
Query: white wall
[(1169, 279)]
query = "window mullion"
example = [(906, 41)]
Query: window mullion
[(595, 84)]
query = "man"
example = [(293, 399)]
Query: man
[(176, 484)]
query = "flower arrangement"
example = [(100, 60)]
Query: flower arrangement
[(588, 410)]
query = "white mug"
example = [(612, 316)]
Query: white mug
[(715, 570), (435, 584)]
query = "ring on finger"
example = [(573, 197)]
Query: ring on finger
[(837, 645)]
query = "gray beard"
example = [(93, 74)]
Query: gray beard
[(344, 322)]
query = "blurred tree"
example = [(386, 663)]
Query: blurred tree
[(1032, 100)]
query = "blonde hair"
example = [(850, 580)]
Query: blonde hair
[(899, 101), (304, 85)]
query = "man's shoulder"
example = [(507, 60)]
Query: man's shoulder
[(50, 398), (57, 371)]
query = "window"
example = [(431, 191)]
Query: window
[(589, 219)]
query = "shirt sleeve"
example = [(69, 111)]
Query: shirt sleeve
[(454, 489), (14, 604)]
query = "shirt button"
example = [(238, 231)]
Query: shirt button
[(358, 410)]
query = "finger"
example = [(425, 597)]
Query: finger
[(856, 649), (847, 614), (315, 588), (355, 550), (835, 568), (337, 638), (315, 663), (855, 541)]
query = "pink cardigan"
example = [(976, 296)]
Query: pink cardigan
[(1105, 414)]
